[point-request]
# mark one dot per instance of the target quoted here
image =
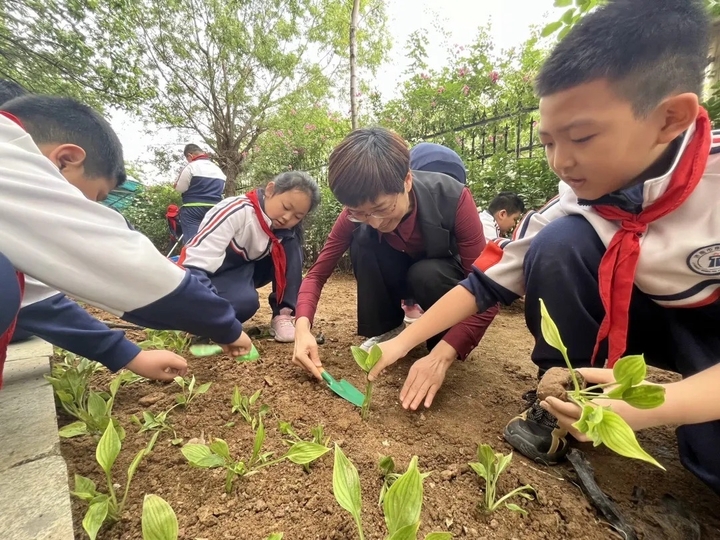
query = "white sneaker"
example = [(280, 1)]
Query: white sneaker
[(366, 346)]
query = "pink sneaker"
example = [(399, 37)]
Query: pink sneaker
[(412, 313), (282, 327)]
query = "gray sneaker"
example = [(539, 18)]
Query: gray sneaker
[(367, 345)]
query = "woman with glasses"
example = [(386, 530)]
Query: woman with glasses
[(411, 234)]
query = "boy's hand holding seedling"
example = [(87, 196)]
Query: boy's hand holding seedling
[(598, 423), (240, 347)]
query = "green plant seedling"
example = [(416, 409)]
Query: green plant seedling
[(275, 536), (92, 409), (159, 521), (601, 424), (489, 467), (189, 392), (305, 452), (387, 468), (366, 361), (401, 505), (215, 455), (172, 340), (156, 422), (243, 404), (107, 507)]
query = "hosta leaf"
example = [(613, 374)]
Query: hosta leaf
[(550, 331), (179, 381), (64, 397), (73, 430), (220, 447), (235, 402), (203, 388), (620, 438), (409, 532), (645, 396), (303, 453), (159, 521), (387, 465), (94, 518), (480, 470), (259, 440), (275, 536), (360, 357), (135, 464), (96, 405), (108, 448), (84, 488), (503, 462), (403, 500), (255, 397), (439, 536), (515, 508), (582, 424), (486, 456), (200, 455), (630, 370), (373, 357), (346, 484), (191, 386)]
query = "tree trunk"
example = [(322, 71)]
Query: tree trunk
[(353, 63), (231, 163)]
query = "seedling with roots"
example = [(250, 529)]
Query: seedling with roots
[(489, 467), (401, 505), (367, 361), (244, 404), (599, 423), (159, 521), (217, 454), (107, 507), (189, 392)]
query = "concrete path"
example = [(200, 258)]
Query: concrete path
[(34, 494)]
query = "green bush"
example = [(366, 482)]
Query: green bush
[(147, 213)]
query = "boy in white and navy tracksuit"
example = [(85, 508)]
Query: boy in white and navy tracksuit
[(202, 184), (52, 233), (627, 257)]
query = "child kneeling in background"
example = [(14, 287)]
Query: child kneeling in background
[(248, 241)]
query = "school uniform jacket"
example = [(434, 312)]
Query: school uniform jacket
[(230, 235), (679, 262), (490, 226), (50, 232), (201, 181)]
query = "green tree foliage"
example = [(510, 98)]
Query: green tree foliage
[(223, 69), (78, 48), (147, 213)]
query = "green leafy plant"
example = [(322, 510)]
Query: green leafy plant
[(157, 422), (490, 466), (275, 536), (601, 424), (244, 404), (92, 409), (189, 392), (217, 454), (171, 340), (318, 445), (159, 521), (367, 361), (387, 468), (107, 507), (401, 505)]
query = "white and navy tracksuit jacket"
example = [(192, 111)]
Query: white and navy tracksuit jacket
[(674, 311), (52, 233), (201, 181), (490, 226)]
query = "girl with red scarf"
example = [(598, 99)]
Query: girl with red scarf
[(248, 241)]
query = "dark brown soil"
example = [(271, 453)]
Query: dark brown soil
[(479, 396)]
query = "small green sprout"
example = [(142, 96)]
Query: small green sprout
[(366, 361)]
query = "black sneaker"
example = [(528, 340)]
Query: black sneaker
[(536, 434)]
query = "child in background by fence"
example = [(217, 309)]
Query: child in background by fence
[(248, 241), (502, 214)]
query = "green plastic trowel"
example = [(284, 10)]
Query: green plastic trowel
[(212, 350), (344, 389)]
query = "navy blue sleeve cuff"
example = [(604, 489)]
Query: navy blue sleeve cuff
[(487, 293)]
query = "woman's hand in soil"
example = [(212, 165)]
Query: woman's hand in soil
[(158, 365), (426, 376), (240, 347), (306, 354)]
